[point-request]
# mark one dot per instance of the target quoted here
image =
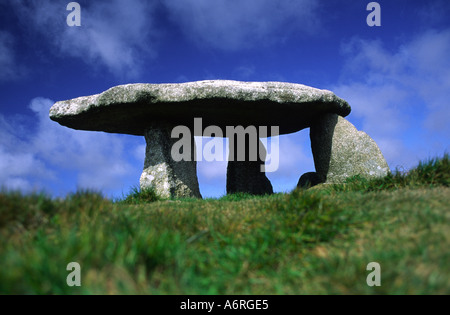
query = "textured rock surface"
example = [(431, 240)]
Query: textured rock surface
[(341, 151), (161, 172), (129, 108), (246, 176)]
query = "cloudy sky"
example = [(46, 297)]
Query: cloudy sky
[(396, 77)]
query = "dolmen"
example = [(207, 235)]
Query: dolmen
[(160, 112)]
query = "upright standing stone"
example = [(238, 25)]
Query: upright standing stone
[(341, 151), (247, 176), (166, 176), (309, 180)]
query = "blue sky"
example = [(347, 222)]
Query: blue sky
[(396, 77)]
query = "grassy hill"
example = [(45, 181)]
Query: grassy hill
[(316, 241)]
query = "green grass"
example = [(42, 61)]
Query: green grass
[(317, 241), (138, 196), (431, 173)]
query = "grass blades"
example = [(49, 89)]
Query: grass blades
[(317, 241), (432, 173), (138, 196)]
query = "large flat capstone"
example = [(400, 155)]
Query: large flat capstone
[(129, 108)]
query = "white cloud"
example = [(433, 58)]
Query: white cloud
[(430, 57), (10, 68), (118, 34), (434, 13), (238, 24), (18, 170), (139, 152), (379, 106), (53, 155), (401, 94), (214, 170), (295, 159)]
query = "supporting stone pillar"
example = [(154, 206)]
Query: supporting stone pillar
[(161, 172), (341, 151), (321, 135), (309, 180), (246, 176)]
